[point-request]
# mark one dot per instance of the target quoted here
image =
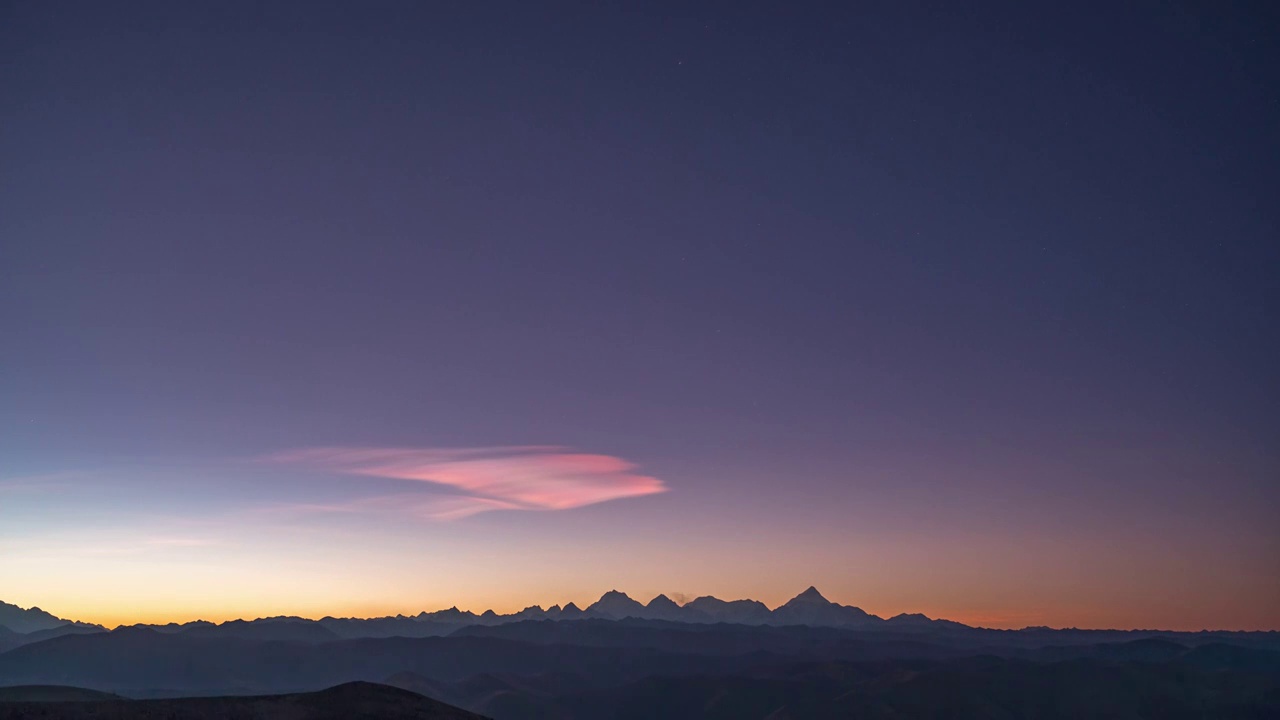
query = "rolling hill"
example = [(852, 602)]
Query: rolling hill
[(348, 701)]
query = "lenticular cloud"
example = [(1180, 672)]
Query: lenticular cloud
[(502, 478)]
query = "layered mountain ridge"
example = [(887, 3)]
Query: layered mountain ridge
[(23, 626), (29, 620), (808, 608), (677, 660)]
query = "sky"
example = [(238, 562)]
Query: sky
[(370, 308)]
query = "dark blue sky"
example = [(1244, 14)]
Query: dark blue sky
[(974, 277)]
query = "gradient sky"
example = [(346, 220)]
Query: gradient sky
[(365, 308)]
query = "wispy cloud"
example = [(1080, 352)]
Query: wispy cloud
[(496, 478), (428, 506)]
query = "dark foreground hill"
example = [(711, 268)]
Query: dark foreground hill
[(350, 701)]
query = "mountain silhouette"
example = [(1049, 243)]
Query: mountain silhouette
[(24, 627), (744, 612), (31, 620), (533, 612), (452, 615), (811, 608), (661, 603), (664, 608), (807, 608), (810, 595), (10, 640), (615, 605), (280, 629)]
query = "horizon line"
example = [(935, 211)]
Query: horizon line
[(586, 606)]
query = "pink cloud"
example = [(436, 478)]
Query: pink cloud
[(499, 478), (431, 507)]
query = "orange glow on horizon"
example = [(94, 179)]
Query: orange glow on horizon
[(1095, 619)]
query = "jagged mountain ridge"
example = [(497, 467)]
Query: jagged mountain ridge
[(20, 626), (28, 620), (807, 608)]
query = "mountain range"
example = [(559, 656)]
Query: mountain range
[(810, 608), (807, 658), (19, 627), (18, 620), (807, 608)]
